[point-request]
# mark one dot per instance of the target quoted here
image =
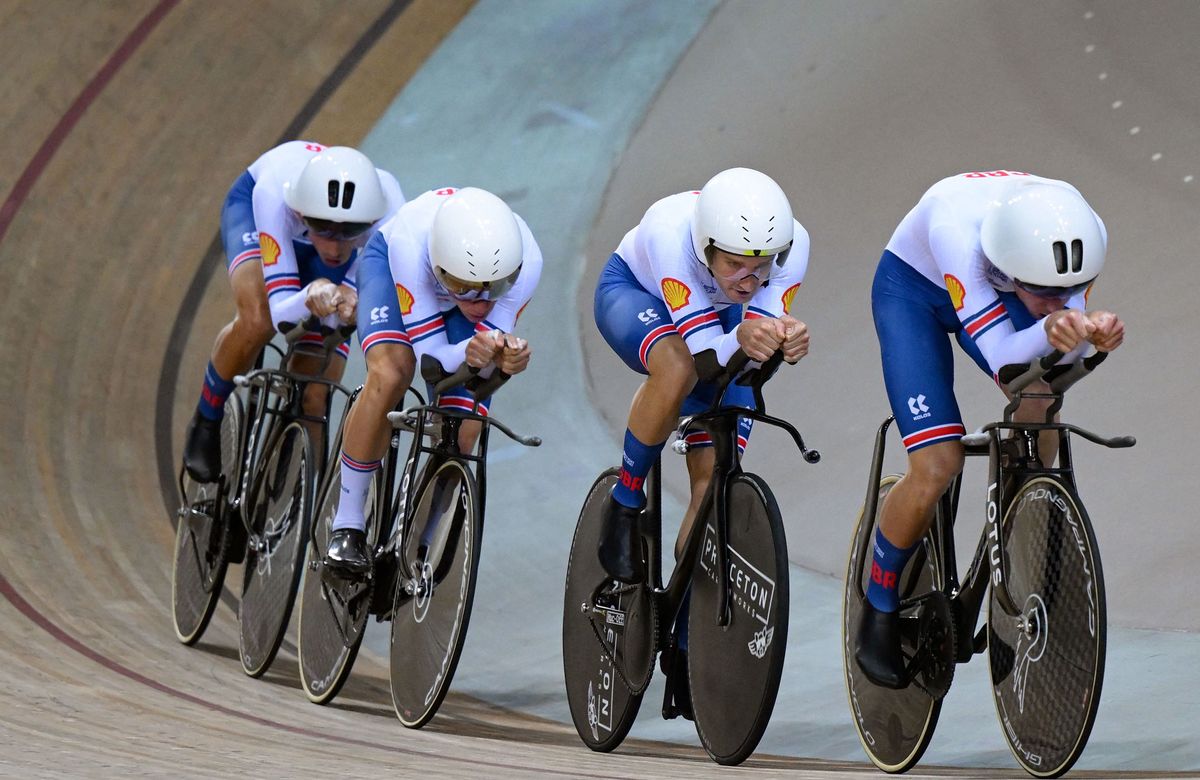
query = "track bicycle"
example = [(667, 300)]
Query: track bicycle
[(424, 526), (256, 513), (1038, 564), (735, 565)]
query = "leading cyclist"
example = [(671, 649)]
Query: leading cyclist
[(447, 277), (1004, 260), (291, 225)]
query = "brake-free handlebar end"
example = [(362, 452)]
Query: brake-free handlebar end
[(531, 441), (680, 446), (812, 456), (1122, 441)]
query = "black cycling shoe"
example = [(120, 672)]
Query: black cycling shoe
[(347, 552), (619, 550), (202, 449), (878, 649)]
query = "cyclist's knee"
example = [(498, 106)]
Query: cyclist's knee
[(390, 369), (932, 469), (254, 326), (315, 396), (672, 363), (1034, 409)]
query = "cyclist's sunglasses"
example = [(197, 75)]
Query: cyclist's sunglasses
[(338, 231), (463, 290), (1045, 291)]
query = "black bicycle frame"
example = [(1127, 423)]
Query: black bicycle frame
[(1008, 468), (720, 422)]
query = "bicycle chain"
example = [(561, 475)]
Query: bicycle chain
[(639, 689)]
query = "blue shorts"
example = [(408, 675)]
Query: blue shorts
[(632, 321), (240, 238), (912, 318), (380, 320)]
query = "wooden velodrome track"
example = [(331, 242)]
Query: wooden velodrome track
[(124, 125)]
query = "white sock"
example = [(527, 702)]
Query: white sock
[(356, 481)]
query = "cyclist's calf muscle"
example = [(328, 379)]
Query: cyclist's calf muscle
[(908, 508), (700, 469)]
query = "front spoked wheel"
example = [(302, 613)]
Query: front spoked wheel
[(333, 610), (202, 536), (1047, 661), (894, 726), (279, 514), (734, 670), (608, 635), (439, 565)]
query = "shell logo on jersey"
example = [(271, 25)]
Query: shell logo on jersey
[(675, 293), (957, 292), (405, 298), (788, 295), (269, 247)]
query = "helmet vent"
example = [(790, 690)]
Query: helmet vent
[(338, 192), (1076, 256), (1060, 256)]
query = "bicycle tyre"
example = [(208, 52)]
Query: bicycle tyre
[(893, 726), (333, 612), (279, 514), (201, 553), (603, 706), (734, 670), (429, 627), (1047, 679)]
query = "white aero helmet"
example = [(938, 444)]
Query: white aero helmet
[(1046, 237), (743, 212), (475, 244), (337, 193)]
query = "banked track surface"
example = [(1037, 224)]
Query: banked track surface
[(122, 134)]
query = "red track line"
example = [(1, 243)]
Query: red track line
[(33, 171), (28, 610), (8, 211)]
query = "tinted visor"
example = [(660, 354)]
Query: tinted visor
[(1043, 291), (338, 231), (464, 290)]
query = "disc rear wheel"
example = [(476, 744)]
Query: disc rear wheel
[(608, 635), (894, 726), (202, 536), (333, 611)]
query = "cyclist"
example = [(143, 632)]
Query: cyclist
[(291, 225), (445, 279), (1004, 260), (671, 298)]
